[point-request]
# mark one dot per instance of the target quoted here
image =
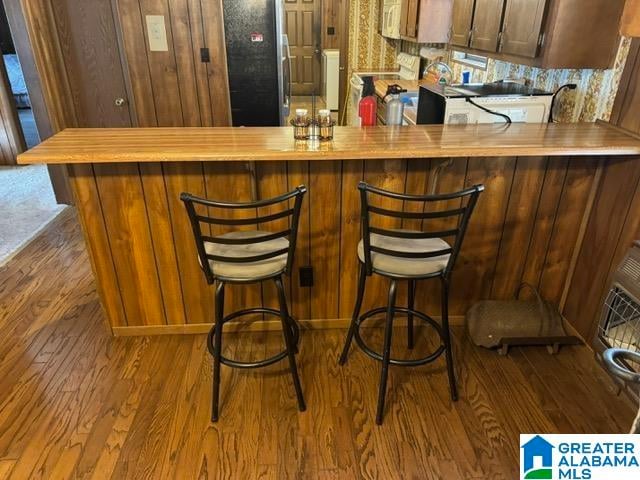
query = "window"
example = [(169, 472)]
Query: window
[(475, 61)]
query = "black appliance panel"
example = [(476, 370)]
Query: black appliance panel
[(431, 107), (252, 60)]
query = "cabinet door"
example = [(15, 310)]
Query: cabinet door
[(461, 23), (409, 19), (486, 24), (521, 27), (434, 21)]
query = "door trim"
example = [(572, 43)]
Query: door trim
[(10, 119), (344, 56), (49, 118)]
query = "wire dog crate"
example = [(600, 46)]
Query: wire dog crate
[(620, 320)]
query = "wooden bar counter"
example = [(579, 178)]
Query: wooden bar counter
[(540, 181)]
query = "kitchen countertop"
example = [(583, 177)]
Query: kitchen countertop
[(410, 85), (276, 143), (410, 113)]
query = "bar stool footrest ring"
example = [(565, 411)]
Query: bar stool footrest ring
[(295, 330), (403, 363)]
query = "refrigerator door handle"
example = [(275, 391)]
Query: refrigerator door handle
[(288, 50)]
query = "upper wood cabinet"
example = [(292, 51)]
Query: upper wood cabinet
[(521, 28), (421, 21), (461, 22), (486, 24), (630, 24), (409, 19), (540, 33), (434, 21)]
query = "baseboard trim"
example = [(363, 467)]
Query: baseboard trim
[(255, 326)]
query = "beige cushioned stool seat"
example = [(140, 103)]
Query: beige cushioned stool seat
[(248, 271), (406, 267)]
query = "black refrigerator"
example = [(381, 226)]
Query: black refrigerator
[(258, 62)]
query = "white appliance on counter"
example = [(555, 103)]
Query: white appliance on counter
[(331, 78), (473, 103), (409, 69), (391, 13)]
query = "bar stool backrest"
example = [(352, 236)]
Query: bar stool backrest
[(205, 212), (425, 216)]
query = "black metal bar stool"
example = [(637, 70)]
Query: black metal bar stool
[(408, 255), (247, 256)]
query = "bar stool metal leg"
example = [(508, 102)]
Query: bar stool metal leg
[(362, 278), (446, 334), (217, 350), (411, 293), (386, 352), (290, 344)]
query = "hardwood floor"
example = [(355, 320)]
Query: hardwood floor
[(77, 403)]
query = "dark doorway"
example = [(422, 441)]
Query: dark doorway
[(17, 86)]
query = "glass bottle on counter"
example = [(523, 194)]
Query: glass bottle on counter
[(301, 124), (325, 125), (368, 104)]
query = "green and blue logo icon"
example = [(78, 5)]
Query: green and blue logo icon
[(579, 457), (537, 459)]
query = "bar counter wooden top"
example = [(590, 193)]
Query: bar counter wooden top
[(277, 143)]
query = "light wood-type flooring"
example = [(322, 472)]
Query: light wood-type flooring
[(77, 403)]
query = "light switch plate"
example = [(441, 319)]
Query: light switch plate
[(157, 31)]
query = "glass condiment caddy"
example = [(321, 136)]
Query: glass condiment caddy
[(324, 125), (301, 124), (312, 127)]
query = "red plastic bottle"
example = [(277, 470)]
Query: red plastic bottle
[(368, 104)]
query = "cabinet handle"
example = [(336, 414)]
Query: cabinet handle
[(541, 40)]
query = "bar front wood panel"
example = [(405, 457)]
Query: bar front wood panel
[(614, 220), (612, 227), (526, 227)]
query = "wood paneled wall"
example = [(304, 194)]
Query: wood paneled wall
[(614, 222), (526, 227), (172, 88), (175, 88), (333, 12)]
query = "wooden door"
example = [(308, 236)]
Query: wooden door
[(521, 27), (487, 20), (302, 25), (461, 23), (89, 45)]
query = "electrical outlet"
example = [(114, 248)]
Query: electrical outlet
[(205, 57), (331, 30), (306, 276)]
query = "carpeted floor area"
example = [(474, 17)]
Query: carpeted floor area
[(27, 205)]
